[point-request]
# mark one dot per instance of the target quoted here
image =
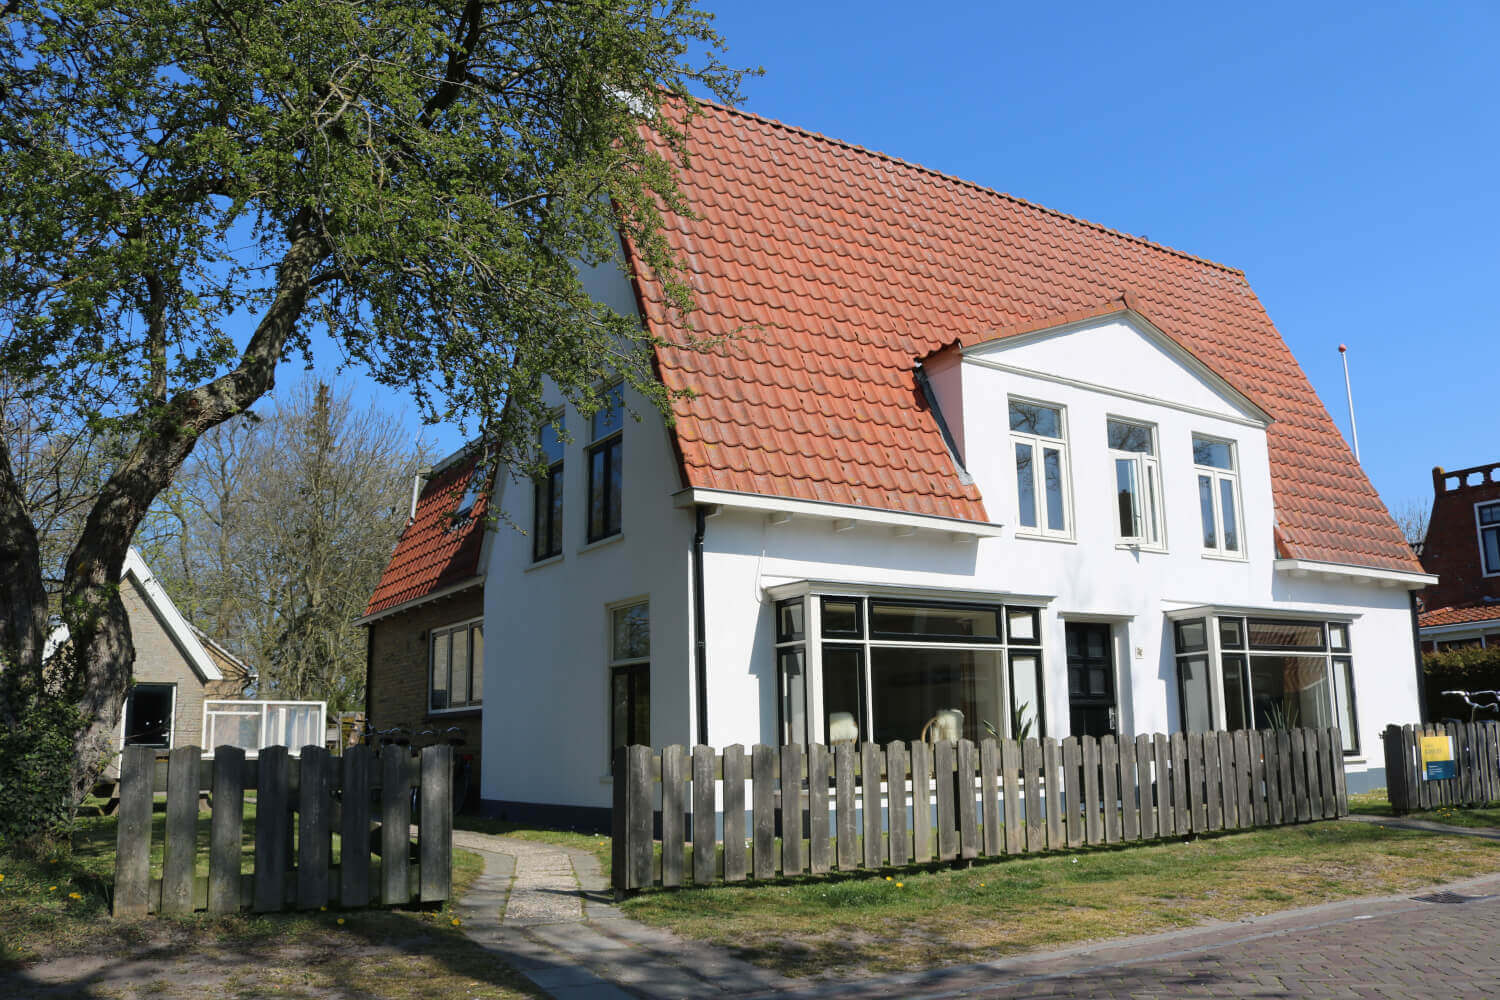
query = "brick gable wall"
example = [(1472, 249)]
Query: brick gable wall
[(1451, 549)]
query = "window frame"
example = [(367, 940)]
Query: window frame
[(1038, 444), (1217, 477), (612, 445), (171, 715), (468, 626), (1149, 487), (1481, 529), (549, 487), (628, 667)]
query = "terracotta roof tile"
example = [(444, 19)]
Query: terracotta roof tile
[(435, 552), (1460, 615), (836, 268)]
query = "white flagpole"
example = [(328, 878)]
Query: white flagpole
[(1349, 394)]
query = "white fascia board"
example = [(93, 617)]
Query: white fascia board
[(1384, 577), (1300, 612), (835, 512), (860, 588), (181, 631), (1255, 416), (417, 602), (1460, 628)]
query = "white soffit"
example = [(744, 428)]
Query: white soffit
[(780, 510), (1339, 571)]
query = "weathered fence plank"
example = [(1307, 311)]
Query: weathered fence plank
[(1147, 785), (1314, 778), (1271, 746), (180, 844), (1182, 792), (1109, 787), (1197, 803), (947, 822), (895, 766), (1300, 792), (1340, 785), (989, 792), (1213, 776), (314, 832), (1093, 815), (763, 766), (273, 829), (226, 830), (1072, 755), (1161, 752), (819, 844), (793, 862), (133, 833), (921, 802), (1256, 747), (1031, 767), (1130, 812), (354, 827), (734, 813), (705, 812), (843, 791), (1229, 776), (1052, 786), (435, 831), (1010, 768), (963, 791), (673, 813), (871, 765), (1326, 753)]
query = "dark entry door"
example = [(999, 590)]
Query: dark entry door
[(1091, 679)]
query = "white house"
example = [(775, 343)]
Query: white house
[(959, 453)]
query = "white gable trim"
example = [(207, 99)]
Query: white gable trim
[(1252, 415), (843, 516), (177, 626)]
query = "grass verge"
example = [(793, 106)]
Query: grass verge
[(55, 929), (598, 844), (846, 925), (1375, 803)]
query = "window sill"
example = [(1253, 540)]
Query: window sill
[(462, 710), (1133, 547), (1221, 557), (542, 563), (1037, 537), (618, 536)]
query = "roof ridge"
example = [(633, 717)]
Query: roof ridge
[(972, 185)]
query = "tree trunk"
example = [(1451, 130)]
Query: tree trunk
[(23, 598)]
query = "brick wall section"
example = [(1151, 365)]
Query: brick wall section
[(1451, 550), (158, 660), (398, 671)]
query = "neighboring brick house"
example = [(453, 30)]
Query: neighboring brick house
[(425, 652), (1462, 549)]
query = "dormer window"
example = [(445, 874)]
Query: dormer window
[(1039, 436), (1488, 516)]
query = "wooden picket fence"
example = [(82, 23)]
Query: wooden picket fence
[(300, 803), (1001, 797), (1476, 759)]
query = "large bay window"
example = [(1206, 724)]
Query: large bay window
[(1132, 450), (1039, 437), (1218, 495), (1237, 672), (857, 669)]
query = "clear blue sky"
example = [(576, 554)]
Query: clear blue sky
[(1346, 157)]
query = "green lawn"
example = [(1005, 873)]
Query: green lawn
[(597, 843), (1375, 803), (940, 915), (56, 909)]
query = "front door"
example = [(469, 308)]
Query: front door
[(1091, 680)]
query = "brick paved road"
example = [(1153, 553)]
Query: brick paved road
[(1387, 949)]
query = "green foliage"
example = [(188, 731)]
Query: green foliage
[(36, 768), (1471, 669)]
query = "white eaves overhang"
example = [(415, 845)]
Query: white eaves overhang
[(841, 517), (1340, 571), (1295, 612), (782, 589)]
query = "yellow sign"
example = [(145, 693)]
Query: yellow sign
[(1437, 758)]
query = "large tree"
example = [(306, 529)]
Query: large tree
[(189, 187)]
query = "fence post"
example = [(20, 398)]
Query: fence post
[(963, 790), (673, 811), (792, 860), (871, 766), (762, 810), (180, 846), (225, 828), (272, 829), (133, 834), (895, 766), (354, 827), (734, 813), (435, 834), (619, 872), (395, 825), (705, 817), (313, 829)]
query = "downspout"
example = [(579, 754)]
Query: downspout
[(1416, 641), (700, 627), (369, 670)]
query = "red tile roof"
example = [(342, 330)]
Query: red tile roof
[(835, 268), (435, 552), (1459, 615)]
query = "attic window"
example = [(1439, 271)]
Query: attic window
[(1488, 516)]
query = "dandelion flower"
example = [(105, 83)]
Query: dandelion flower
[(323, 908), (51, 888), (2, 878), (981, 885), (75, 895), (341, 920), (900, 885), (456, 921), (887, 878)]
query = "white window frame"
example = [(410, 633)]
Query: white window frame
[(1148, 477), (432, 636), (1037, 443), (613, 663), (1480, 528), (596, 444), (1218, 476)]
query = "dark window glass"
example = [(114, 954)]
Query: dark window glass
[(1266, 634), (1192, 636), (1034, 418), (610, 416), (631, 628), (941, 622), (441, 642), (1489, 513), (1025, 486), (604, 489), (1489, 540), (1129, 437), (476, 665), (789, 622), (1214, 454), (1028, 717), (842, 618), (1206, 508), (148, 716), (1232, 633), (1237, 694), (1348, 718), (547, 514), (916, 691), (1192, 692), (791, 669), (630, 689), (1291, 692), (458, 688), (843, 694)]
